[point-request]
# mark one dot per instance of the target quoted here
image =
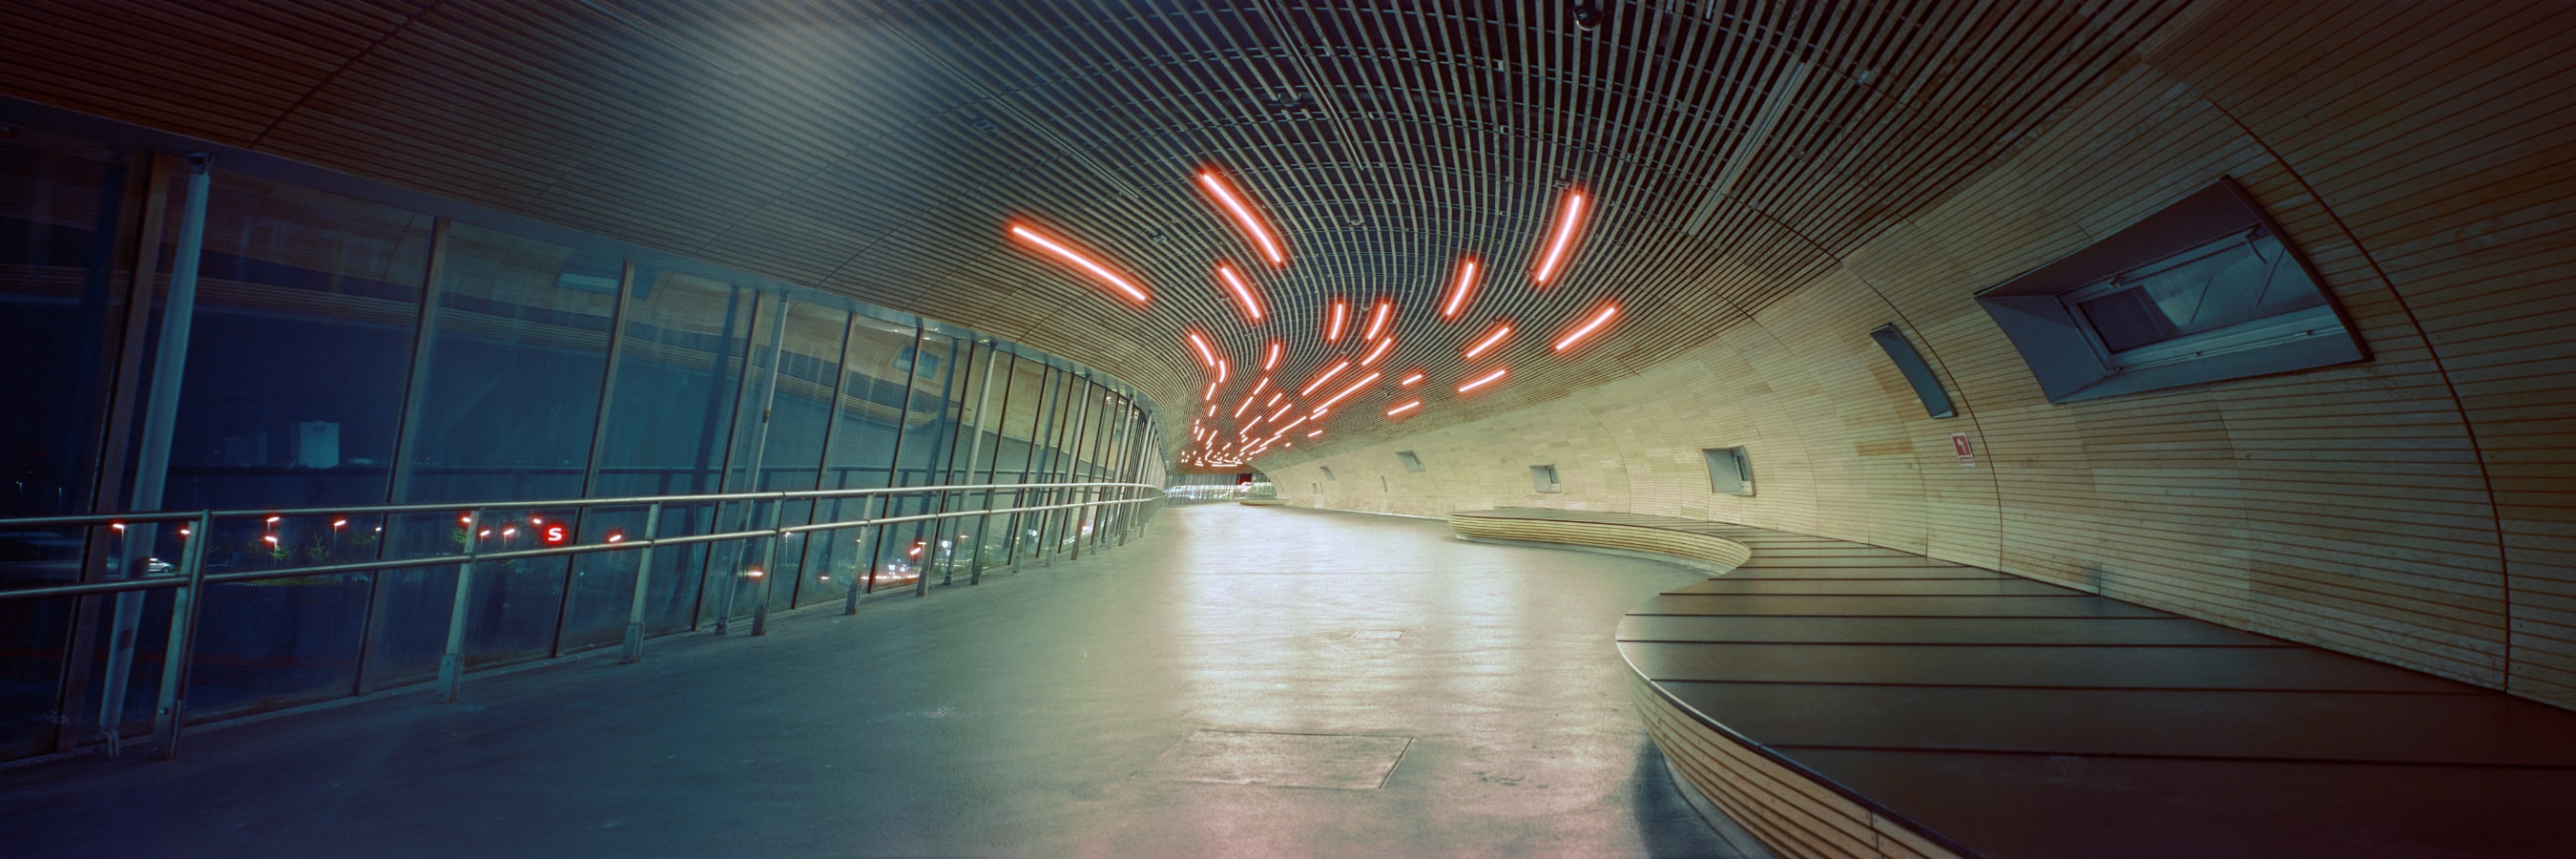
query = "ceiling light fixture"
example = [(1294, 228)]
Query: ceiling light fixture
[(1461, 289), (1065, 251), (1599, 318), (1487, 379), (1233, 202), (1501, 331), (1378, 318), (1569, 222)]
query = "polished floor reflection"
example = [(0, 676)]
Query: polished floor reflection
[(1046, 713)]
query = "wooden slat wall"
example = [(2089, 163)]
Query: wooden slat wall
[(2419, 508), (1715, 554), (2416, 509), (1791, 813)]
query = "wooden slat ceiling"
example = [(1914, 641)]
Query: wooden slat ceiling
[(878, 149)]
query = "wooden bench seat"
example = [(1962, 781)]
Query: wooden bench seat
[(1839, 699)]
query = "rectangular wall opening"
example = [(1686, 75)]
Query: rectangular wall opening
[(1543, 479), (1411, 462), (1730, 470)]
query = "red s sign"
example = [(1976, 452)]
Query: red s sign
[(555, 534)]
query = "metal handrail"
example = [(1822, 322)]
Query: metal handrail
[(189, 577)]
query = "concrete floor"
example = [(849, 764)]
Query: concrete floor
[(1042, 713)]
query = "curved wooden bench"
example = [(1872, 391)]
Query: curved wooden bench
[(1706, 551), (1839, 699)]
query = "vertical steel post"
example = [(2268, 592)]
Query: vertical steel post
[(186, 605), (894, 459), (759, 447), (451, 663), (160, 418), (634, 649), (975, 448), (406, 437), (598, 441), (850, 600), (1001, 439), (818, 550), (769, 564)]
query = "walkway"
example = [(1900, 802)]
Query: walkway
[(1056, 712)]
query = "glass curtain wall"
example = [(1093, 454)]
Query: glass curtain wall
[(350, 351)]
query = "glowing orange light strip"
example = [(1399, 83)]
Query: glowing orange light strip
[(1502, 331), (1378, 319), (1220, 371), (1487, 379), (1355, 387), (1377, 351), (1244, 217), (1239, 410), (1321, 378), (1242, 292), (1460, 291), (1282, 411), (1410, 379), (1404, 408), (1270, 358), (1211, 393), (1257, 387), (1206, 355), (1341, 313), (1314, 434), (1274, 398), (1066, 252), (1568, 220), (1598, 319)]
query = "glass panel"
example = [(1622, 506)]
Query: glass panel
[(929, 427), (62, 210), (521, 340), (800, 416), (863, 442), (677, 375)]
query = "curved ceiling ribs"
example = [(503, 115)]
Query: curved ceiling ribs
[(881, 151)]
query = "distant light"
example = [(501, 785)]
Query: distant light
[(1313, 434), (1321, 378), (1355, 387), (1599, 318), (754, 573), (484, 533), (1242, 291), (1378, 318), (184, 532), (1569, 221), (1481, 381), (1270, 356), (116, 525), (1410, 379), (1334, 321), (1409, 406), (272, 520), (1501, 331), (1065, 251), (272, 538), (511, 531), (616, 536), (467, 519), (1461, 289), (1377, 351), (1234, 204), (339, 523)]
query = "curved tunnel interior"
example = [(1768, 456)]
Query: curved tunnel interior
[(2254, 314)]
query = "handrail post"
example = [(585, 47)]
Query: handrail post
[(634, 649), (850, 601), (769, 565), (1078, 514), (451, 664), (186, 605), (1127, 513)]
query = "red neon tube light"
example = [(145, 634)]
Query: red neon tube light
[(1065, 251), (1333, 322), (1239, 410), (1274, 398), (1377, 351), (1487, 379), (1410, 406), (1206, 355), (1502, 331), (1599, 318), (1227, 198), (1569, 221), (1242, 291), (1409, 380), (1314, 434), (1353, 389), (1378, 318), (1321, 378), (1270, 357), (1461, 290)]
